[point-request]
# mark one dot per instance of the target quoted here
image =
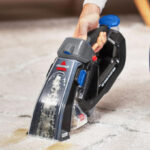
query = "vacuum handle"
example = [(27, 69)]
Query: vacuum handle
[(93, 35)]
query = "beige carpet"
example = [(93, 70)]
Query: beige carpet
[(121, 120)]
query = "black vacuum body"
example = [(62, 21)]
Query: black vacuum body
[(80, 76)]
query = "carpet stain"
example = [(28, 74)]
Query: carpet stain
[(60, 146), (24, 116), (17, 136)]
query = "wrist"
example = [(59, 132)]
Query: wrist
[(90, 9), (98, 3)]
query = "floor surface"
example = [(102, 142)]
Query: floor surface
[(121, 120)]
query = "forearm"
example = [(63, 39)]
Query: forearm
[(99, 3), (89, 20), (90, 9)]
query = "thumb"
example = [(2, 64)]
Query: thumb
[(81, 30)]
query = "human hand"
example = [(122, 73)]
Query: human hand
[(89, 20)]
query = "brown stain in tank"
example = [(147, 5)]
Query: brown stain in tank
[(17, 136), (60, 146)]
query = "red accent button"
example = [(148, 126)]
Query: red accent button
[(63, 63), (61, 69), (94, 58)]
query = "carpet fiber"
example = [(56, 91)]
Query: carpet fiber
[(121, 119)]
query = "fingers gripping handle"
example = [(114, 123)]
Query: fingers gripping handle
[(94, 34)]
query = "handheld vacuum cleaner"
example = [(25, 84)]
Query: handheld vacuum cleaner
[(77, 80)]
